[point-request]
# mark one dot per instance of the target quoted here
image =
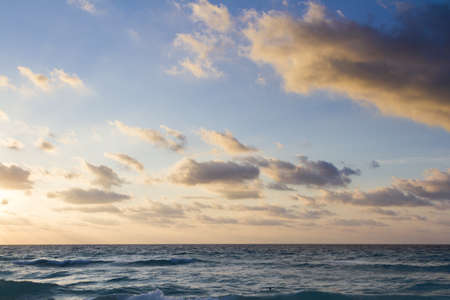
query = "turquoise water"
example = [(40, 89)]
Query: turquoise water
[(142, 272)]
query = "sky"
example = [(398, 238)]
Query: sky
[(178, 121)]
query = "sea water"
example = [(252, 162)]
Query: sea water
[(143, 272)]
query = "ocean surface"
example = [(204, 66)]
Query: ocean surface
[(143, 272)]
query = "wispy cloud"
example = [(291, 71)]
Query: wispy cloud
[(153, 136), (226, 141), (85, 5)]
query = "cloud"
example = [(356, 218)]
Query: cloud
[(357, 222), (126, 160), (191, 172), (157, 213), (154, 137), (3, 116), (434, 190), (229, 179), (91, 196), (284, 212), (265, 222), (200, 63), (72, 80), (57, 78), (69, 138), (384, 212), (4, 83), (205, 45), (100, 221), (308, 201), (39, 80), (386, 196), (12, 144), (278, 186), (14, 178), (45, 146), (217, 220), (104, 176), (226, 141), (308, 173), (435, 186), (215, 17), (402, 71), (374, 164), (134, 35), (85, 5), (175, 133), (111, 209)]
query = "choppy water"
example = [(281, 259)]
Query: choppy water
[(136, 272)]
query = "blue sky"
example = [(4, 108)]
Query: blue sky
[(122, 60)]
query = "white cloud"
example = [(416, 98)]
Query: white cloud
[(72, 80), (226, 141), (4, 83), (104, 176), (215, 17), (57, 78), (85, 5), (39, 80), (12, 144)]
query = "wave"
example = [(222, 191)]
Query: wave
[(405, 267), (306, 295), (444, 268), (163, 262), (58, 263), (19, 289), (55, 275)]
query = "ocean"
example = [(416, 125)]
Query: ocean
[(144, 272)]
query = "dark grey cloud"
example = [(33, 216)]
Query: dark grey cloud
[(384, 212), (278, 187), (91, 196), (357, 222), (374, 164), (14, 178), (309, 173), (229, 179), (191, 172)]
